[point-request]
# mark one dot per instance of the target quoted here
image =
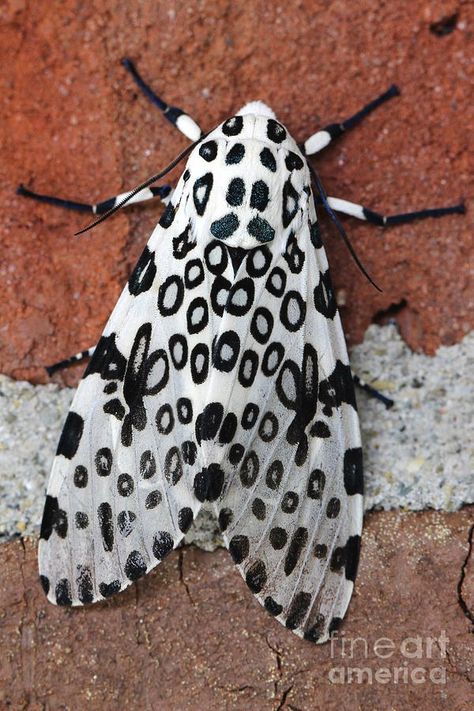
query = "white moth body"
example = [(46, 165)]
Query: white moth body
[(222, 376)]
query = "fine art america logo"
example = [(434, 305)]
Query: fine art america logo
[(413, 660)]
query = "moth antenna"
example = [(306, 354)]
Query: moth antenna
[(143, 185), (340, 228)]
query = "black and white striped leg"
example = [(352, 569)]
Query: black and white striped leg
[(177, 117), (83, 355), (161, 191), (323, 137), (373, 392), (363, 213)]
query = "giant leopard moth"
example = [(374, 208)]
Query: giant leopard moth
[(221, 378)]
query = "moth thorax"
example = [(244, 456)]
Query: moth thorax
[(257, 108)]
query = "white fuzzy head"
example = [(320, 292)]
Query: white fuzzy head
[(258, 108)]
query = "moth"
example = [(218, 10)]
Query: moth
[(221, 379)]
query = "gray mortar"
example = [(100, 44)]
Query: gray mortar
[(418, 455)]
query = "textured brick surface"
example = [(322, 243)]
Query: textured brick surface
[(190, 635), (74, 125)]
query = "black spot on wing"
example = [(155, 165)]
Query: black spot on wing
[(256, 576), (178, 349), (199, 363), (293, 161), (201, 192), (228, 429), (290, 203), (144, 273), (162, 544), (337, 388), (109, 589), (126, 522), (189, 452), (209, 421), (297, 544), (235, 192), (173, 466), (316, 630), (208, 150), (260, 229), (275, 131), (193, 273), (80, 477), (272, 606), (298, 610), (274, 475), (54, 519), (168, 216), (276, 282), (226, 351), (293, 255), (104, 513), (170, 295), (153, 499), (239, 548), (353, 471), (259, 196), (268, 160), (249, 470), (225, 518), (316, 484), (147, 465), (185, 519), (208, 483), (216, 258), (183, 243), (315, 235), (135, 566), (63, 592), (324, 299), (235, 154), (85, 590), (352, 557), (293, 311), (45, 584), (278, 538), (107, 360), (71, 435), (233, 126), (225, 226)]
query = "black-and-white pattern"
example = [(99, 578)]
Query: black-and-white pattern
[(218, 379), (222, 376)]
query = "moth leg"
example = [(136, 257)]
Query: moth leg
[(176, 116), (324, 136), (77, 358), (161, 191), (373, 392), (374, 218)]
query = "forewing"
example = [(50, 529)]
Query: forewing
[(120, 494), (291, 509)]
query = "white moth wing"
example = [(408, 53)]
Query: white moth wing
[(120, 494), (291, 508)]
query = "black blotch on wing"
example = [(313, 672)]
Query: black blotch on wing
[(337, 388), (144, 273), (85, 589), (298, 610), (107, 360), (71, 435), (136, 381), (54, 519), (353, 471)]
